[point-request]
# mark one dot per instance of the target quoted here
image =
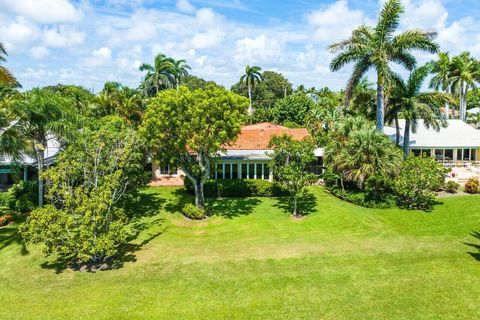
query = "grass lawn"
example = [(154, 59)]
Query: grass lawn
[(253, 261)]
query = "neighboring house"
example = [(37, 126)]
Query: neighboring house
[(458, 142), (246, 158), (26, 167)]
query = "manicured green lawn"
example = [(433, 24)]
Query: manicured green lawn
[(255, 262)]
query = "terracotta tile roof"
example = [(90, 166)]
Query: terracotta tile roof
[(257, 136)]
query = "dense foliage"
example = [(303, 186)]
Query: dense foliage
[(190, 127), (84, 220), (417, 183)]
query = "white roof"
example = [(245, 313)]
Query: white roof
[(53, 147), (474, 110), (458, 134)]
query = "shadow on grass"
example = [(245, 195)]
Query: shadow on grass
[(307, 204), (232, 207), (142, 214), (9, 235), (475, 255), (182, 197)]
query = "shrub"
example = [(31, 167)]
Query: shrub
[(417, 183), (379, 189), (5, 219), (472, 185), (23, 196), (360, 198), (451, 186), (192, 212), (238, 188)]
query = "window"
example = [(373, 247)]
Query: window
[(235, 170), (219, 171), (459, 154), (168, 169), (251, 171), (244, 170), (439, 154), (417, 152), (259, 170), (228, 170), (266, 172), (448, 154), (466, 154), (473, 155), (426, 153)]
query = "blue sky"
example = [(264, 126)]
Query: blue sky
[(88, 42)]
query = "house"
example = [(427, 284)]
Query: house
[(457, 143), (26, 167), (246, 158)]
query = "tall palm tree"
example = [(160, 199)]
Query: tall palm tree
[(159, 76), (42, 115), (377, 47), (6, 77), (252, 75), (414, 104), (442, 69), (465, 76), (180, 70)]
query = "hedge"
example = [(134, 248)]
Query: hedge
[(238, 188)]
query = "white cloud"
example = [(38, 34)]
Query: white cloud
[(44, 11), (62, 36), (100, 57), (335, 21), (257, 49), (18, 32), (209, 39), (104, 53), (185, 6), (39, 52)]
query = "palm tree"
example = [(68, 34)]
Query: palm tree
[(465, 76), (6, 77), (252, 75), (442, 73), (360, 151), (414, 104), (159, 76), (377, 47), (180, 70), (42, 115)]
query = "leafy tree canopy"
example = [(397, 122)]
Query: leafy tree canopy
[(189, 127)]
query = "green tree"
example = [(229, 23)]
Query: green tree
[(179, 70), (6, 77), (293, 110), (251, 76), (191, 127), (266, 93), (358, 151), (84, 220), (415, 104), (417, 183), (80, 97), (442, 70), (291, 161), (193, 82), (465, 76), (160, 75), (116, 99), (377, 48), (42, 115)]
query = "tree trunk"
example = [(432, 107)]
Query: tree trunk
[(250, 107), (397, 130), (406, 139), (463, 102), (380, 108), (295, 205), (447, 105), (40, 165), (199, 196)]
